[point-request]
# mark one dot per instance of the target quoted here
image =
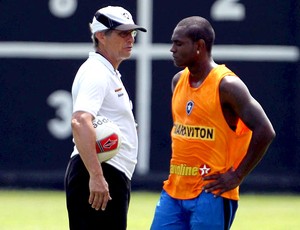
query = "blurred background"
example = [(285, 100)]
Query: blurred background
[(43, 43)]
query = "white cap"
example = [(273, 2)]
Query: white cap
[(114, 17)]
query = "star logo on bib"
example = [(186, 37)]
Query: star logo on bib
[(204, 169)]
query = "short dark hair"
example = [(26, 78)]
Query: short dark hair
[(197, 28)]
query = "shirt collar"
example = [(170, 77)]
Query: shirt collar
[(105, 62)]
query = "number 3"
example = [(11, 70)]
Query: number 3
[(60, 127)]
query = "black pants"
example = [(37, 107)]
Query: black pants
[(81, 215)]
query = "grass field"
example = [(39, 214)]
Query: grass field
[(45, 210)]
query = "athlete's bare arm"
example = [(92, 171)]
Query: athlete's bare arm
[(175, 80), (237, 101)]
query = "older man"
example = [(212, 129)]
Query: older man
[(97, 193)]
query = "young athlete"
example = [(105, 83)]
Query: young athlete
[(220, 133)]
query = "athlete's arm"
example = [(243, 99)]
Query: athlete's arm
[(84, 137), (175, 80), (234, 93)]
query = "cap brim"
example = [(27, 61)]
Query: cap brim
[(125, 27)]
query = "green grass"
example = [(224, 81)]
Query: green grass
[(46, 210), (32, 210), (268, 212)]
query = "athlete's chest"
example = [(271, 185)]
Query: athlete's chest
[(194, 104)]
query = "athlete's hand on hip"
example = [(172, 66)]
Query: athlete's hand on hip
[(222, 182)]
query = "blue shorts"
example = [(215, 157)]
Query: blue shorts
[(202, 212)]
